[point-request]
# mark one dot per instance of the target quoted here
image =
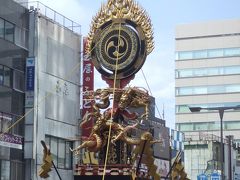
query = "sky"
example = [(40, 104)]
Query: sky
[(165, 16)]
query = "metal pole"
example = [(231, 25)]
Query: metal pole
[(140, 159), (56, 170), (221, 112), (174, 163), (230, 156)]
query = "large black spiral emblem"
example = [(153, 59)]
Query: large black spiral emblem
[(118, 46)]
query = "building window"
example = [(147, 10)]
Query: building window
[(4, 153), (185, 108), (215, 89), (5, 170), (53, 146), (232, 88), (11, 170), (1, 28), (18, 80), (200, 72), (1, 74), (213, 71), (184, 73), (10, 32), (208, 53), (214, 53), (231, 70), (17, 170), (12, 78), (21, 37), (232, 52), (18, 129), (6, 120), (200, 54), (185, 55), (201, 126), (68, 162), (185, 127), (182, 91), (200, 90), (61, 153), (208, 126), (7, 30), (7, 76), (60, 150)]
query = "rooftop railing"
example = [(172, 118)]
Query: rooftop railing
[(203, 137), (50, 13)]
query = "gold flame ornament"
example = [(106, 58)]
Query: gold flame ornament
[(122, 9), (120, 39)]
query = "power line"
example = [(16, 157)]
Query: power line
[(149, 89)]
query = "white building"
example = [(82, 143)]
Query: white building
[(207, 75)]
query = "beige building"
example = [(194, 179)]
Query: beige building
[(207, 75)]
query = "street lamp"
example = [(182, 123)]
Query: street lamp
[(221, 112)]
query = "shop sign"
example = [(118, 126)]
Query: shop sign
[(11, 141)]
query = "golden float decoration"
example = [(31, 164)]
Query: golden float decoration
[(122, 9)]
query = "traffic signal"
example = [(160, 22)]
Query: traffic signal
[(47, 162)]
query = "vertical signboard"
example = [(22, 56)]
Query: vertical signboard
[(160, 132), (30, 72), (88, 75)]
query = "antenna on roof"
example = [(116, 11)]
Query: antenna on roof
[(163, 113)]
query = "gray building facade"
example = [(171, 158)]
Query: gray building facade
[(14, 22), (39, 89), (52, 93)]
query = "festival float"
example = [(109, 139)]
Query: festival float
[(115, 143), (119, 41)]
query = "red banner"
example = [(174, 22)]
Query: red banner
[(88, 85)]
